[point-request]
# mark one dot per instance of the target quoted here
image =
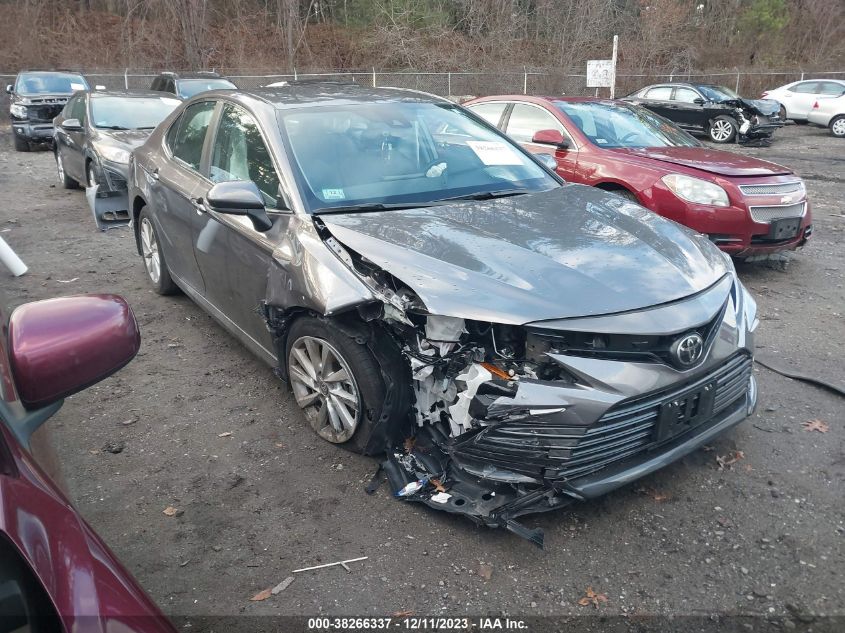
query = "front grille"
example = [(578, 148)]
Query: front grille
[(767, 214), (776, 189), (43, 113), (539, 449)]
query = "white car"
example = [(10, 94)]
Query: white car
[(797, 99), (829, 112)]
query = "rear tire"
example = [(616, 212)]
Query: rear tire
[(67, 181), (837, 126), (352, 380), (21, 144), (722, 129), (782, 114), (154, 262)]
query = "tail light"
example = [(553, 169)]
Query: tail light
[(764, 95)]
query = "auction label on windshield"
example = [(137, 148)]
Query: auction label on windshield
[(494, 153)]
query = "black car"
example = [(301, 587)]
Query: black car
[(713, 110), (186, 85), (36, 97), (95, 133), (508, 342)]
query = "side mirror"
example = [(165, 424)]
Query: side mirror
[(58, 347), (548, 160), (699, 101), (9, 89), (550, 137), (240, 197), (72, 125)]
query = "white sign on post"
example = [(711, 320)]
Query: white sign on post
[(599, 73)]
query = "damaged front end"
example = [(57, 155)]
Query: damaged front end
[(508, 420), (757, 118)]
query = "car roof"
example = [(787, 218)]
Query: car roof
[(325, 93), (128, 93), (202, 74)]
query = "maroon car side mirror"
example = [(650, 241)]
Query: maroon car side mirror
[(550, 137), (58, 347)]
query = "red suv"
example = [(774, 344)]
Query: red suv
[(748, 207)]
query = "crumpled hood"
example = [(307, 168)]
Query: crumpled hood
[(571, 251), (766, 107), (125, 139), (715, 161)]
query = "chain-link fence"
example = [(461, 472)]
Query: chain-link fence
[(458, 85)]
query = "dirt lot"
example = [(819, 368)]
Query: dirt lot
[(764, 537)]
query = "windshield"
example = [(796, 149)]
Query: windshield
[(49, 83), (130, 112), (609, 124), (718, 93), (402, 153), (189, 87)]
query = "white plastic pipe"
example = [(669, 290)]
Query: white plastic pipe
[(11, 260)]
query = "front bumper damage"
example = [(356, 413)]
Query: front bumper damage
[(109, 199), (514, 443)]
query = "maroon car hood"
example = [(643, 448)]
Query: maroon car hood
[(711, 160)]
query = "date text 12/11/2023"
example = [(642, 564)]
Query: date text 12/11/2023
[(416, 623)]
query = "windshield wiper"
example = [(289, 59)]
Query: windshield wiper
[(374, 206), (488, 195), (111, 127)]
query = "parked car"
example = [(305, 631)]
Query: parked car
[(713, 110), (186, 85), (746, 206), (56, 574), (36, 97), (94, 135), (432, 292), (797, 99), (829, 112)]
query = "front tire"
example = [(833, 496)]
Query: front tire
[(335, 380), (67, 181), (722, 129), (154, 262), (837, 126)]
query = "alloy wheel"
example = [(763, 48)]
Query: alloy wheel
[(324, 388), (149, 250), (721, 130), (838, 127)]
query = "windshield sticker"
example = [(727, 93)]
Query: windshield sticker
[(333, 194), (601, 141), (75, 86), (494, 153)]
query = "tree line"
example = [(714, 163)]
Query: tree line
[(669, 35)]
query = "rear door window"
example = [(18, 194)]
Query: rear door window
[(659, 93), (808, 87), (526, 120), (490, 112), (190, 136), (686, 95)]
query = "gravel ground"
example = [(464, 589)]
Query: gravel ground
[(206, 428)]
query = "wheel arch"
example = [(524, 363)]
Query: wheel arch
[(138, 203)]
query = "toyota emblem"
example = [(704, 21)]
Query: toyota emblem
[(688, 349)]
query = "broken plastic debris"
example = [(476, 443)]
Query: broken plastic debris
[(412, 488), (441, 497), (342, 563), (282, 585)]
